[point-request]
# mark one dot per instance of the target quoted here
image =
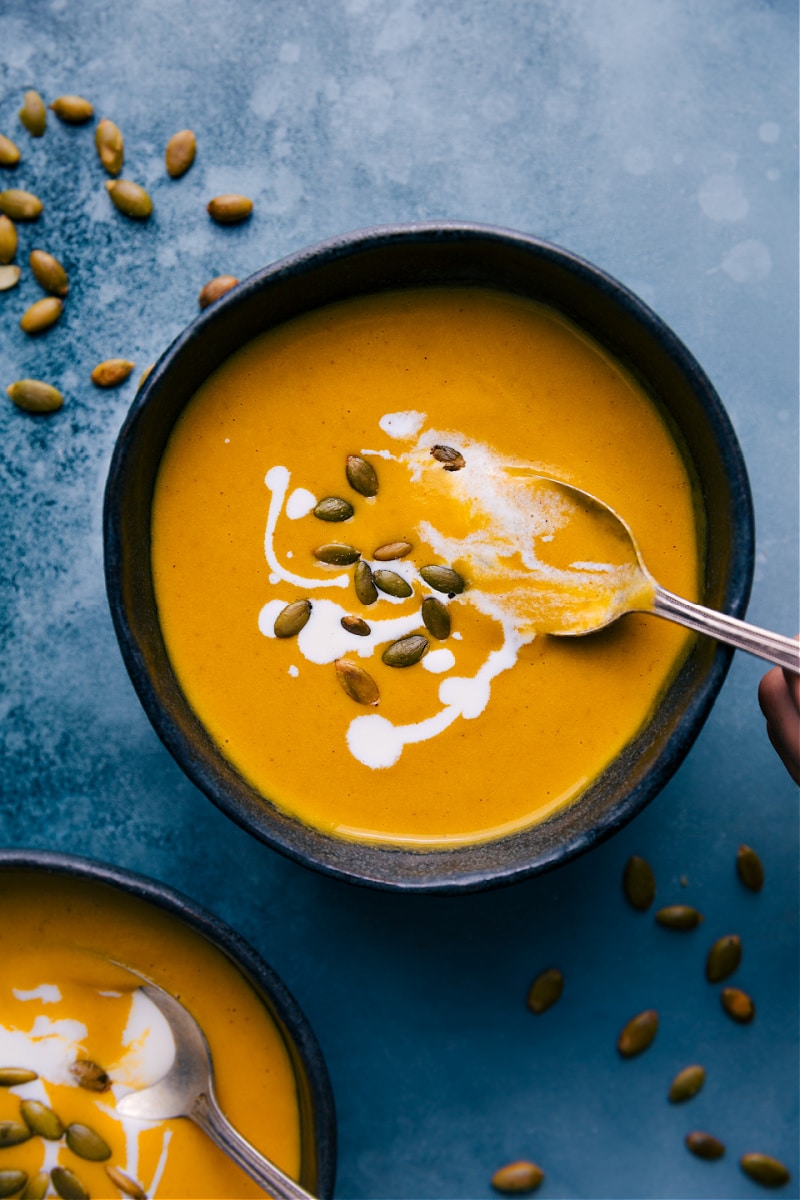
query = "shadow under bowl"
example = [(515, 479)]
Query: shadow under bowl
[(387, 259)]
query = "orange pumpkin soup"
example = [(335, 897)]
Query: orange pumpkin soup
[(308, 489)]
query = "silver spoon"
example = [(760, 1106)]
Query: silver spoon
[(187, 1090), (645, 595)]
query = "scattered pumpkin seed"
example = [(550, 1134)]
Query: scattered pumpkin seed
[(89, 1076), (20, 205), (361, 475), (129, 198), (443, 579), (356, 625), (9, 277), (67, 1184), (359, 685), (407, 651), (392, 551), (687, 1083), (638, 1034), (364, 583), (8, 239), (229, 209), (392, 584), (738, 1004), (436, 618), (451, 459), (180, 152), (705, 1145), (41, 315), (333, 508), (12, 1133), (750, 868), (765, 1169), (9, 152), (215, 288), (679, 916), (723, 957), (111, 372), (48, 272), (545, 990), (85, 1142), (33, 114), (110, 146), (41, 1120), (338, 554), (291, 619), (36, 1187), (128, 1186), (34, 396), (639, 883), (517, 1177), (73, 110), (13, 1076), (12, 1181)]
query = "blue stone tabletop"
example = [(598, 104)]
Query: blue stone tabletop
[(656, 138)]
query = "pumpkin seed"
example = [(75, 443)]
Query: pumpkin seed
[(13, 1076), (128, 1186), (12, 1133), (215, 288), (41, 315), (291, 619), (545, 990), (180, 152), (8, 239), (9, 277), (361, 475), (73, 110), (333, 508), (130, 199), (85, 1142), (20, 205), (638, 1034), (750, 868), (356, 625), (110, 146), (36, 1187), (679, 916), (9, 152), (451, 460), (687, 1083), (705, 1145), (67, 1184), (229, 209), (443, 579), (639, 883), (339, 554), (41, 1120), (359, 685), (723, 957), (33, 114), (391, 551), (738, 1004), (89, 1076), (48, 272), (144, 375), (392, 584), (765, 1169), (111, 372), (34, 396), (436, 618), (12, 1181), (364, 583), (517, 1177), (406, 651)]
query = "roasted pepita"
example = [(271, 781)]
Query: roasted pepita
[(361, 475), (405, 652), (517, 1177), (738, 1005), (291, 619), (765, 1169), (20, 205), (215, 288), (41, 315), (12, 1133), (111, 372), (73, 110), (451, 459), (180, 153), (333, 508), (639, 883), (392, 551), (436, 618), (364, 584), (86, 1142), (338, 554), (356, 625), (443, 579), (41, 1120), (750, 868), (129, 198), (392, 584), (89, 1075), (34, 396), (8, 239), (128, 1186), (12, 1181), (704, 1145), (679, 916), (110, 146), (545, 990), (67, 1184), (638, 1034), (13, 1076), (687, 1083), (9, 152), (36, 1187), (357, 683), (48, 272), (33, 114), (9, 277), (723, 957), (229, 209)]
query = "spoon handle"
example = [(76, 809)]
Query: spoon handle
[(207, 1114), (774, 647)]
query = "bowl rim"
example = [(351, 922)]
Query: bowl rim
[(301, 1042), (395, 868)]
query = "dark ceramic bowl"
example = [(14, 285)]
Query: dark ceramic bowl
[(390, 258), (315, 1098)]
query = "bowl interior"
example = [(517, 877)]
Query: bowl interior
[(389, 259)]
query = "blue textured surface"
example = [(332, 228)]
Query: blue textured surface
[(656, 138)]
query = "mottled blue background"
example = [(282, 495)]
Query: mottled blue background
[(654, 137)]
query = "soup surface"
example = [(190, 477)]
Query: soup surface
[(431, 414), (76, 1021)]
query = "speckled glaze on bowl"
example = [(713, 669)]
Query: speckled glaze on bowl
[(315, 1098), (391, 258)]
